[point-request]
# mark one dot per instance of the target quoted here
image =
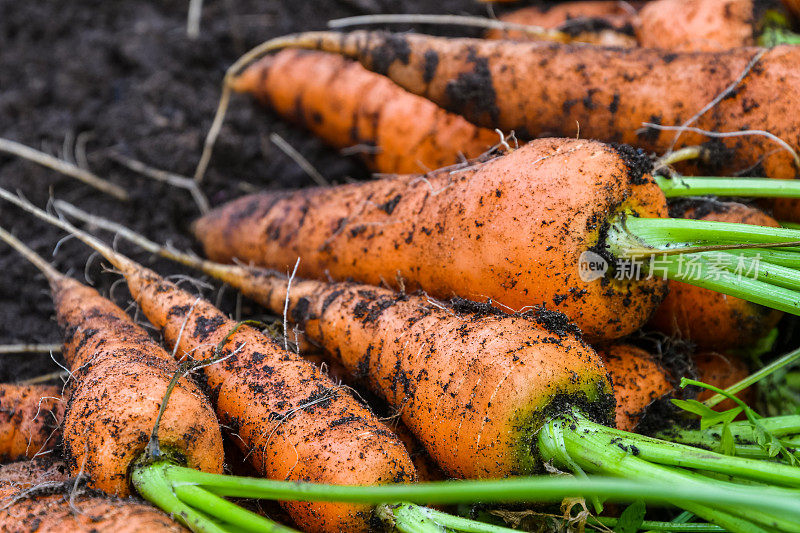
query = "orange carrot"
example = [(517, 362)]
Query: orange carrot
[(676, 25), (290, 419), (711, 320), (30, 420), (36, 496), (722, 371), (119, 378), (348, 106), (565, 85), (512, 230), (638, 379)]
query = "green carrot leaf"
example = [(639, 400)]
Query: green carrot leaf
[(630, 521)]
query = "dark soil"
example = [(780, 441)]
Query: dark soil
[(123, 77)]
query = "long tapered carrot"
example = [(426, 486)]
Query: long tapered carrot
[(744, 96), (711, 320), (39, 496), (512, 230), (30, 420), (119, 378), (350, 107), (290, 419)]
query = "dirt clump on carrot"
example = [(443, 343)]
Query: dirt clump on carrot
[(39, 496), (709, 319), (512, 229), (348, 106), (30, 420)]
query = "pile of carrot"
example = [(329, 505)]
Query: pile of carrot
[(509, 302)]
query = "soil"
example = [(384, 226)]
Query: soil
[(99, 78)]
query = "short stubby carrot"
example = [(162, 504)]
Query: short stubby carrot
[(30, 420), (566, 85), (36, 496), (119, 378), (709, 319), (511, 230), (348, 106), (638, 379)]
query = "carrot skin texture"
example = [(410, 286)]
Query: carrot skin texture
[(52, 513), (120, 377), (30, 420), (260, 392), (346, 105), (709, 319), (638, 381), (511, 229), (722, 371), (565, 84), (473, 388)]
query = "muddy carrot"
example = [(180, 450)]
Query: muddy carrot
[(119, 378), (30, 420), (291, 420), (348, 106)]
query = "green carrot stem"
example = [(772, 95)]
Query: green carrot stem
[(677, 527), (151, 483), (675, 454), (773, 36), (227, 512), (753, 266), (707, 276), (786, 257), (790, 225), (411, 518), (755, 377), (718, 186), (662, 233)]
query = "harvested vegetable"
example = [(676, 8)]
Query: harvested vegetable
[(119, 380), (291, 420), (352, 320), (737, 95), (30, 420), (348, 106), (566, 224), (722, 371)]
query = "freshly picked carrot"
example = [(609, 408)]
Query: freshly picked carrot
[(712, 320), (744, 96), (119, 379), (514, 384), (39, 496), (722, 371), (290, 420), (348, 106), (30, 420), (573, 225), (677, 25)]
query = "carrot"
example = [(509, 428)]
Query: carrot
[(30, 420), (655, 89), (290, 419), (511, 230), (119, 378), (348, 106), (707, 318), (461, 372), (37, 497), (638, 381), (722, 371), (603, 22), (539, 226), (676, 25)]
